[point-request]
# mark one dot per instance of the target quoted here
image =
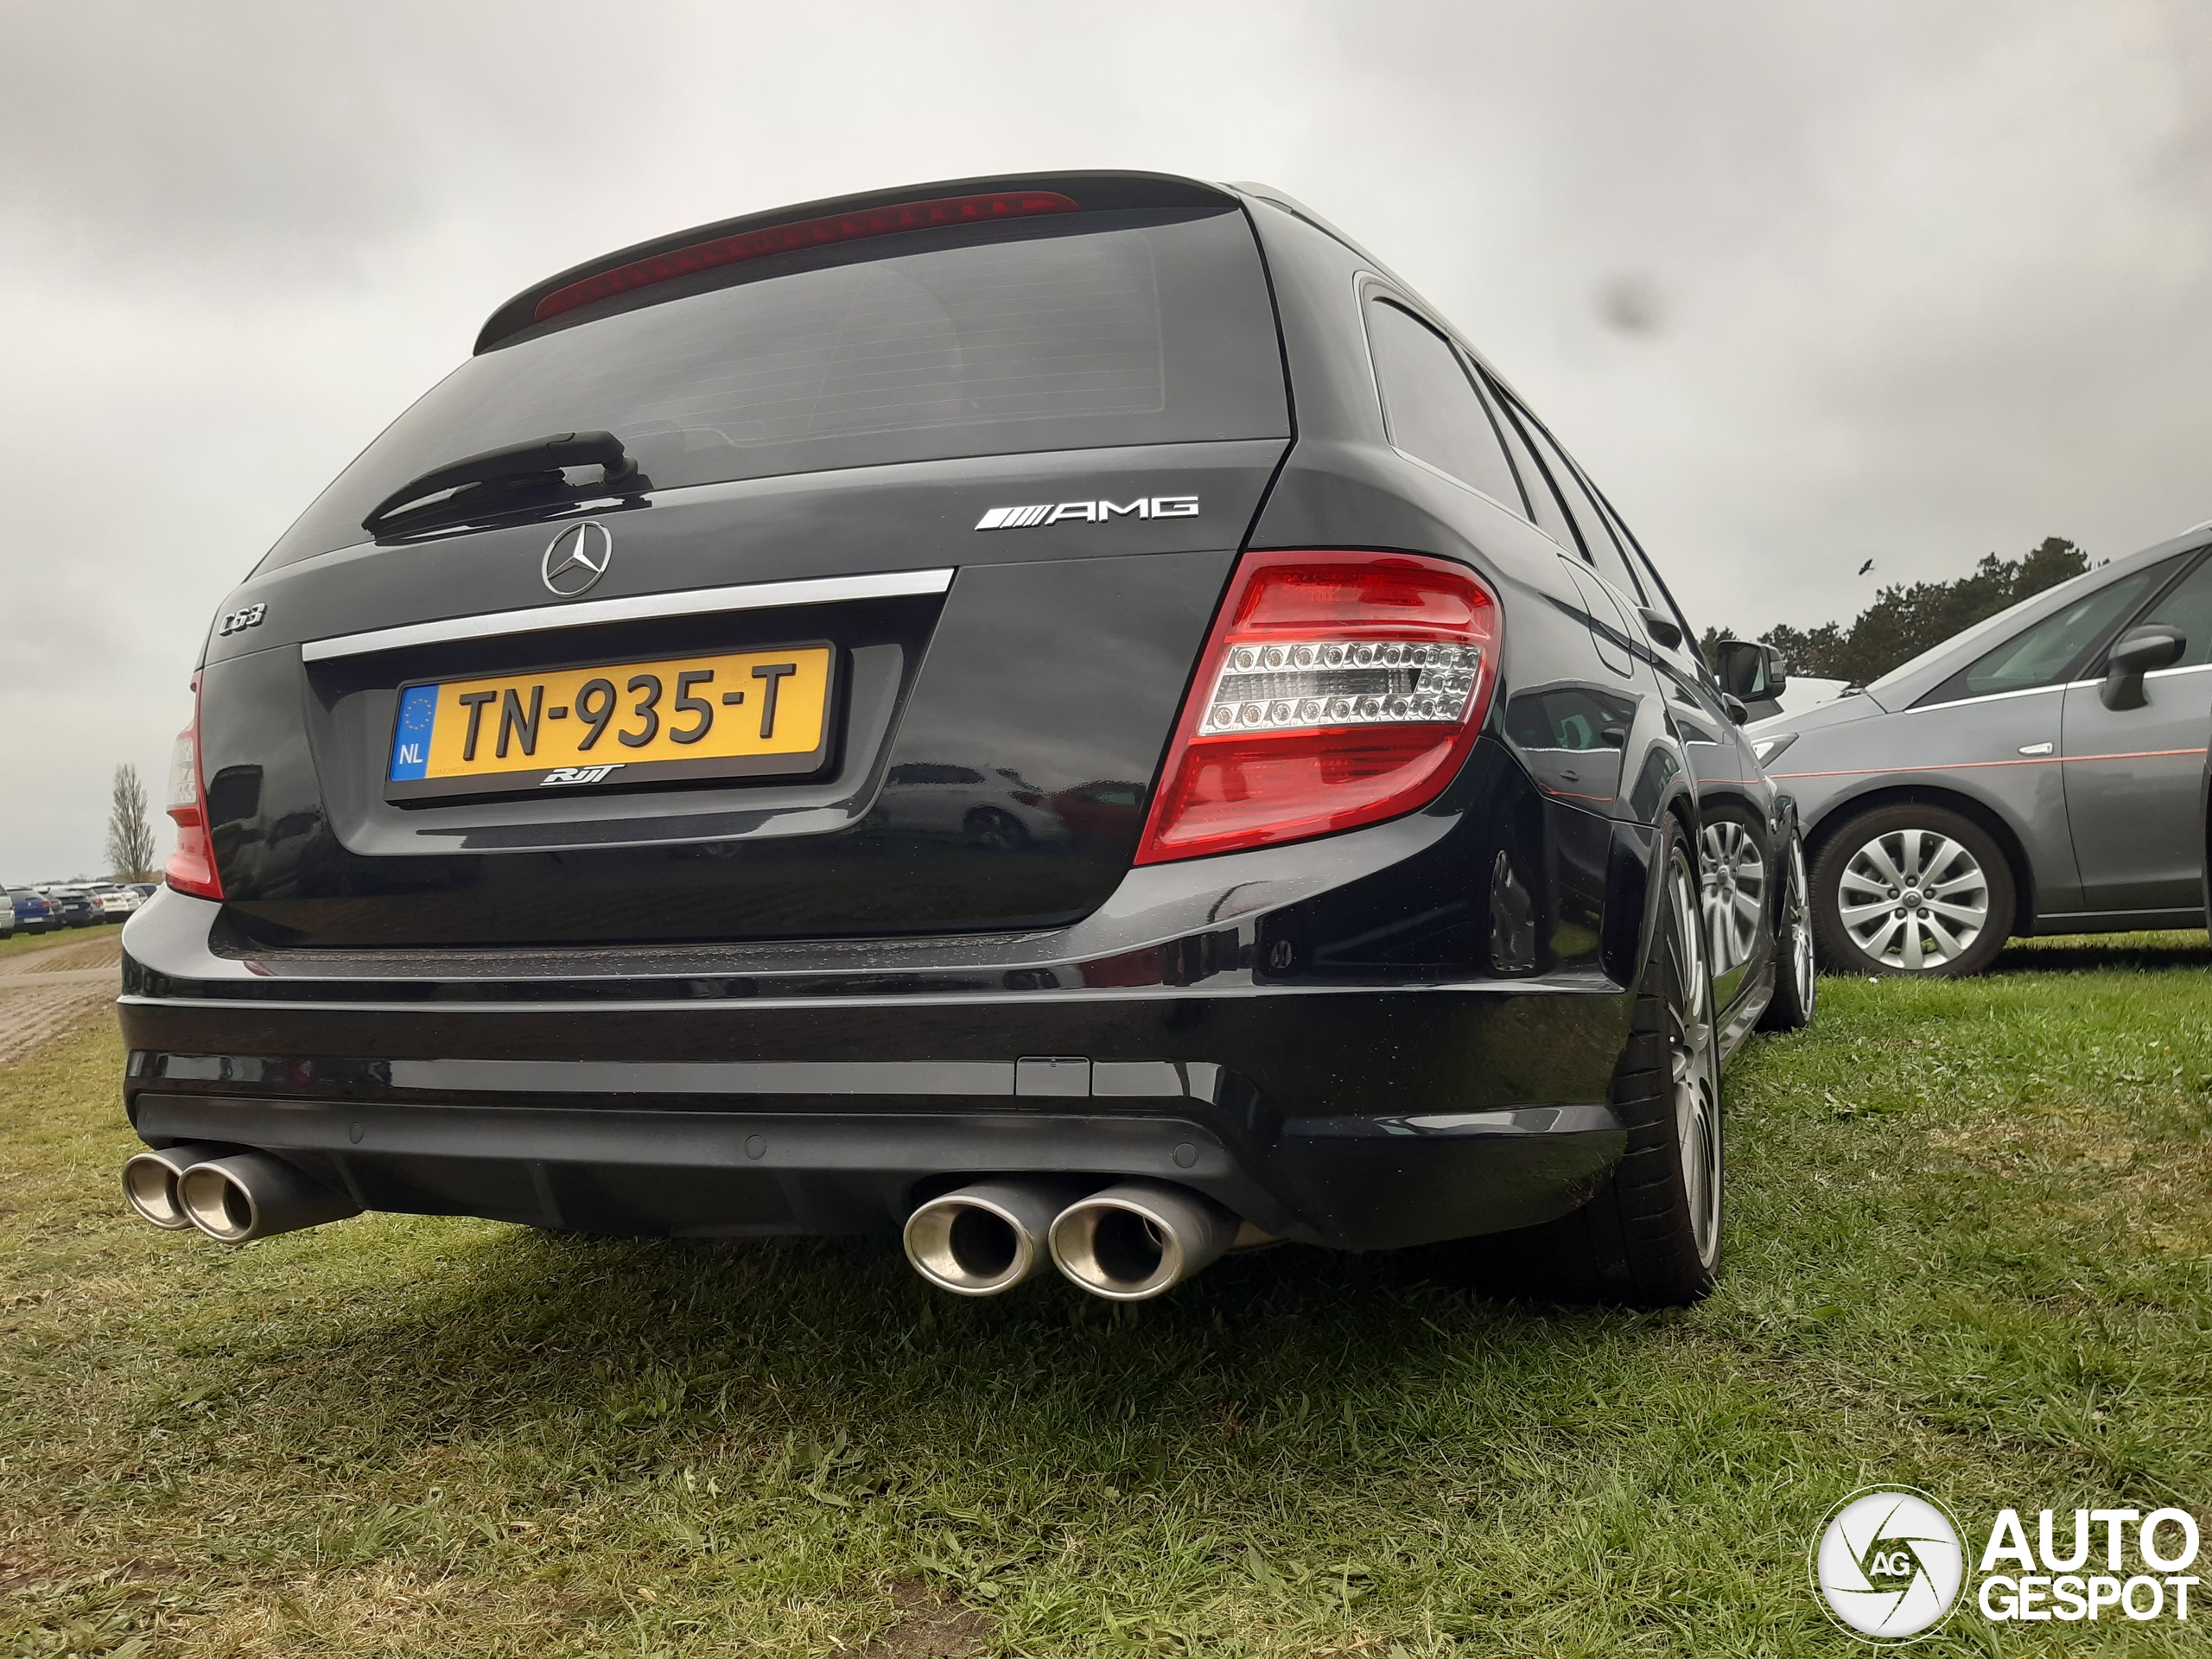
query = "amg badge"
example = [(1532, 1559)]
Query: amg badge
[(1090, 513)]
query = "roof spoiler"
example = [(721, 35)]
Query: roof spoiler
[(920, 206)]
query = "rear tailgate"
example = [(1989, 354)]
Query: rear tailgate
[(993, 733), (916, 533)]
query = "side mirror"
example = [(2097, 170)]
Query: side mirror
[(1750, 670), (2134, 654), (1734, 705), (1662, 627)]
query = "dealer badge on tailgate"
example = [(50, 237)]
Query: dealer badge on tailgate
[(752, 714)]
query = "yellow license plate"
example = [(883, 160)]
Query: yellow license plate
[(748, 714)]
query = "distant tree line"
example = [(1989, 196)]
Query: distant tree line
[(1904, 622)]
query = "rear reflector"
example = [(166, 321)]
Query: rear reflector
[(192, 866), (807, 233), (1338, 689)]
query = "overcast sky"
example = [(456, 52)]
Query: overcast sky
[(1801, 284)]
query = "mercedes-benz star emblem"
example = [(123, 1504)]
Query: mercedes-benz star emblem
[(576, 558)]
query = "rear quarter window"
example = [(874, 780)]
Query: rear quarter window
[(1099, 330), (1430, 406)]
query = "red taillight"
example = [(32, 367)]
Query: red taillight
[(1337, 689), (192, 866), (807, 233)]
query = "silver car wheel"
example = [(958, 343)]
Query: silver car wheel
[(1797, 927), (1913, 900), (1694, 1061), (1735, 892)]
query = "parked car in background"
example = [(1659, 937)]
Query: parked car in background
[(7, 915), (34, 912), (1095, 822), (2040, 773), (118, 900), (77, 906)]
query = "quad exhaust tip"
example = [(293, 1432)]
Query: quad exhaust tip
[(233, 1196), (150, 1182), (987, 1238), (1129, 1243), (1139, 1239)]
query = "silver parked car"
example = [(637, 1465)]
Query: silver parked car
[(2041, 772)]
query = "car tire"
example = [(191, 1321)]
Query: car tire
[(1650, 1235), (1869, 871), (1796, 977)]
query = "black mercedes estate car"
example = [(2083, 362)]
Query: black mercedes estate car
[(1070, 720)]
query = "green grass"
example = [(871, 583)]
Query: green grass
[(1971, 1251)]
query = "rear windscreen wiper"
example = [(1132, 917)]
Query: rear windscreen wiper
[(501, 475)]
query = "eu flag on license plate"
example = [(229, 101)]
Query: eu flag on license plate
[(410, 743)]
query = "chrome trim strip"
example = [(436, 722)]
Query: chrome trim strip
[(2055, 685), (696, 601), (1992, 697)]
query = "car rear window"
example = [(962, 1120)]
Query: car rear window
[(1102, 329)]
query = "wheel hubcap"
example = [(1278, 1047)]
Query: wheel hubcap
[(1693, 1060), (1735, 892), (1913, 900)]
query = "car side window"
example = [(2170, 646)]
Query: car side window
[(1648, 573), (1543, 501), (1613, 546), (1597, 538), (1431, 408), (2189, 607), (2041, 654)]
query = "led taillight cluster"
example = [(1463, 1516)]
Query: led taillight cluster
[(1341, 682), (1337, 689), (192, 866)]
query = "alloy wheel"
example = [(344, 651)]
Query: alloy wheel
[(1913, 900), (1797, 927), (1693, 1060), (1735, 892)]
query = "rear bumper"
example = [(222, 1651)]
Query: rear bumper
[(827, 1089), (712, 1173), (1360, 1120)]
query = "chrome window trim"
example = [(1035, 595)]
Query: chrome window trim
[(696, 601), (2055, 685), (1993, 696)]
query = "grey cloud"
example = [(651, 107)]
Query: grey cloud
[(1899, 280)]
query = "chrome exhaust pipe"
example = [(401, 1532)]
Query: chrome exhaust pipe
[(150, 1182), (1140, 1239), (251, 1195), (987, 1237)]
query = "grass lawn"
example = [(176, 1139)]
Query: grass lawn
[(1971, 1251)]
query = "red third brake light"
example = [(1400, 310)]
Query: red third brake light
[(192, 866), (1337, 689), (806, 233)]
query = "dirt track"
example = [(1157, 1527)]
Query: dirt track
[(44, 992)]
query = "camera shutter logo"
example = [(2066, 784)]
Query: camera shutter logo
[(1888, 1564), (576, 558)]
